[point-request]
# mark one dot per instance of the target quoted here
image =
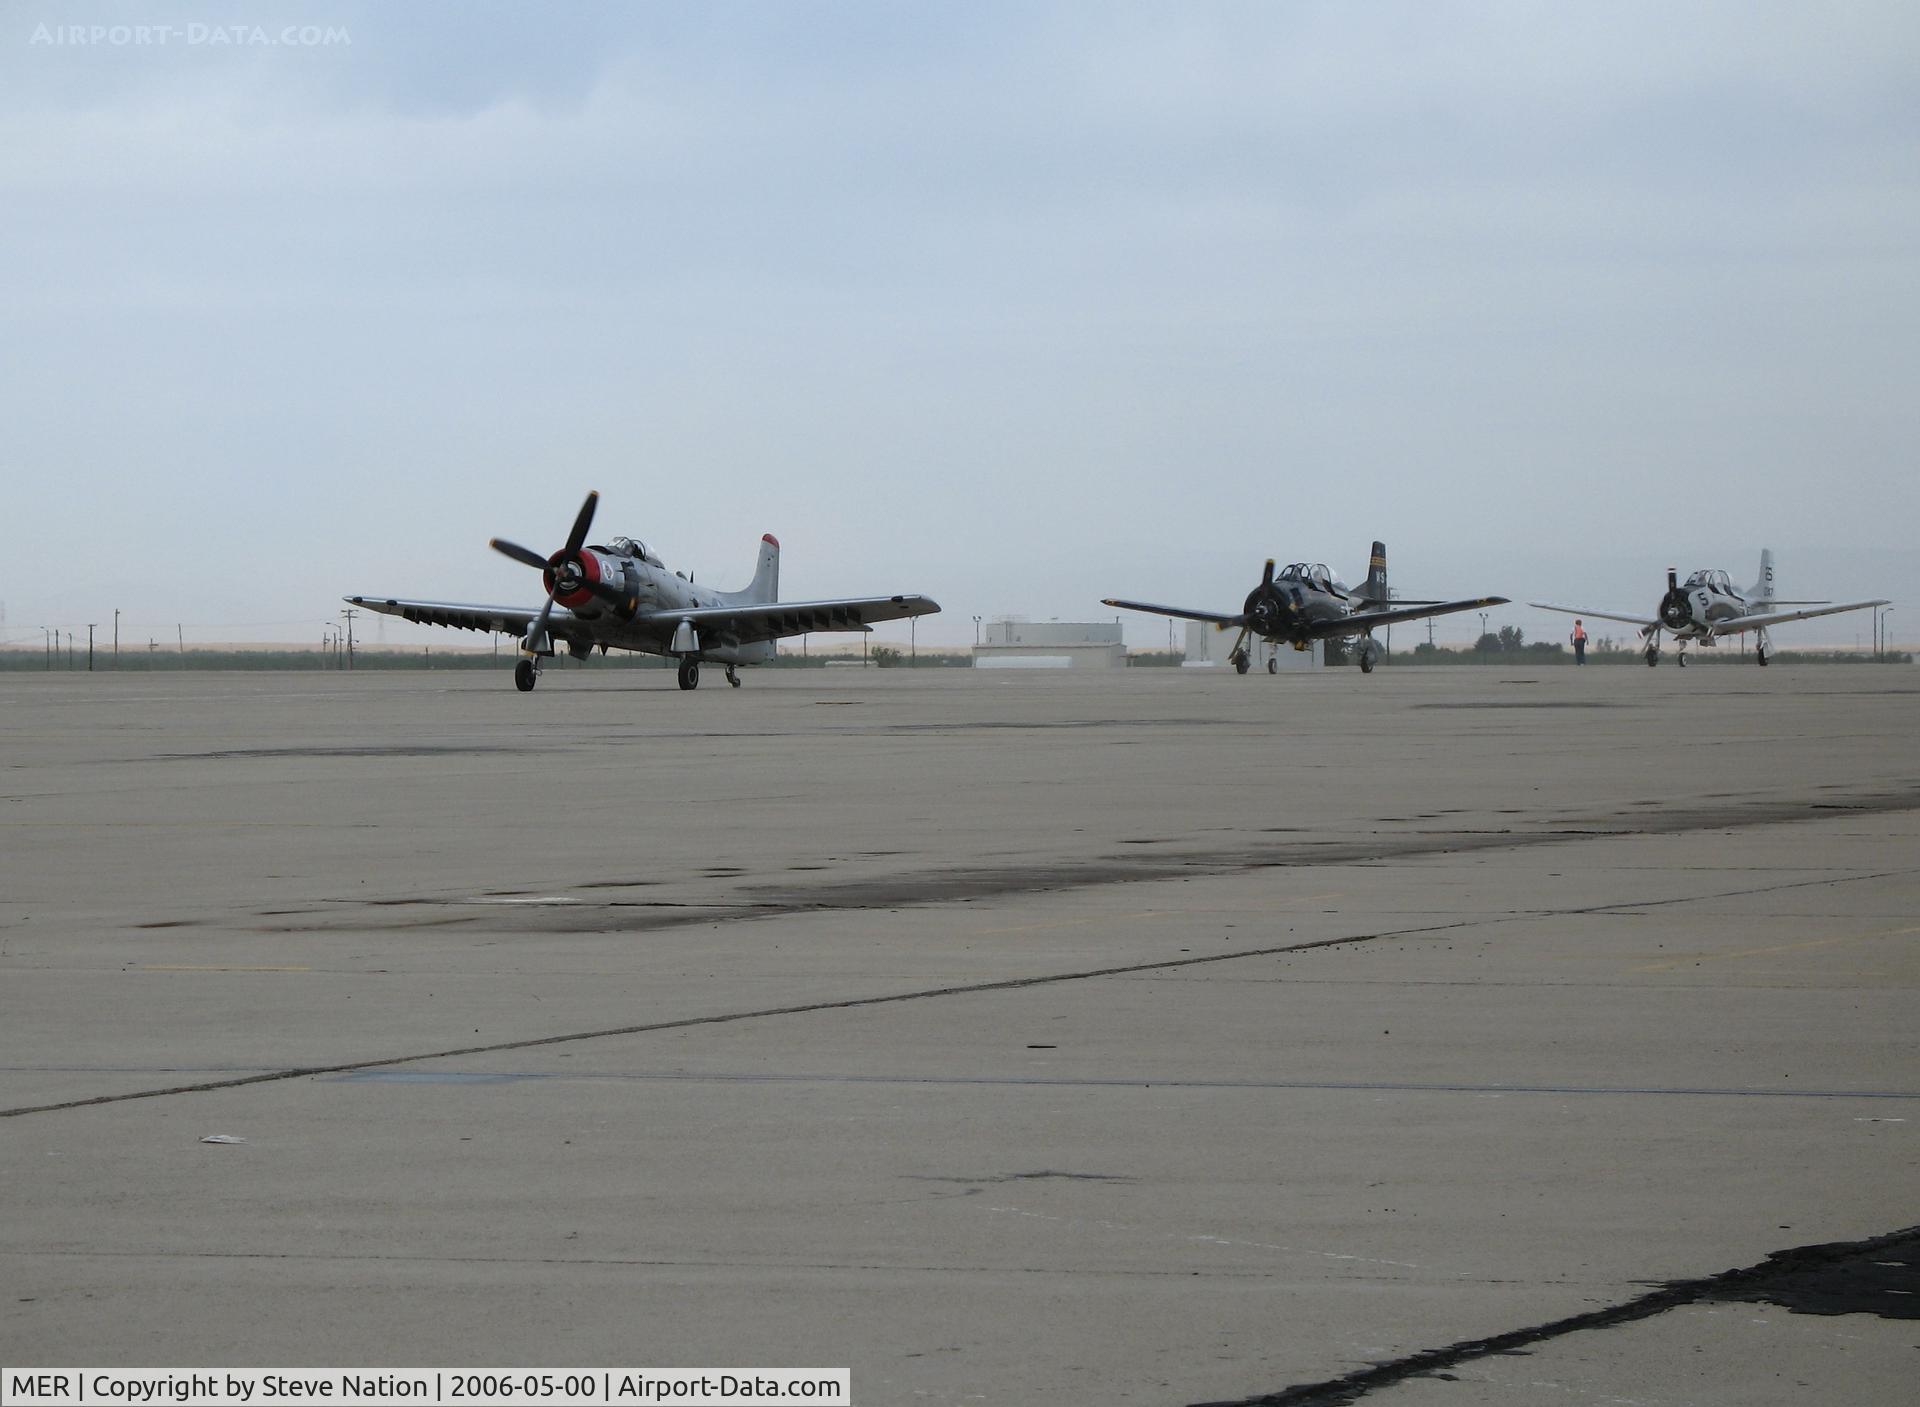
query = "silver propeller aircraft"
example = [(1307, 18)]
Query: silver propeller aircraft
[(1707, 606), (1305, 602), (622, 597)]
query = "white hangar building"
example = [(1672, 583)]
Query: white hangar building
[(1053, 644)]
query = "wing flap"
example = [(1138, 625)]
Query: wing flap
[(1741, 624), (461, 615), (773, 620)]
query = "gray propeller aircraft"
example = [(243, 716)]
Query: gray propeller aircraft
[(1707, 606), (1305, 602), (622, 597)]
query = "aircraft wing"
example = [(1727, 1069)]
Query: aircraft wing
[(1744, 623), (773, 619), (507, 620), (1367, 620), (1180, 612), (1644, 622)]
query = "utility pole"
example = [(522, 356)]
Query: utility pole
[(89, 647), (349, 613), (976, 632), (47, 638), (913, 641), (116, 637), (1429, 632)]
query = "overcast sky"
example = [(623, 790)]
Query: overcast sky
[(1017, 305)]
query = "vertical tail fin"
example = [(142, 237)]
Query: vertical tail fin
[(1763, 589), (765, 585), (1376, 587)]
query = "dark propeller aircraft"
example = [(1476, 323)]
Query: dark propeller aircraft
[(1305, 602)]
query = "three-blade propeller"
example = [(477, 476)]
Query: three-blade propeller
[(562, 570)]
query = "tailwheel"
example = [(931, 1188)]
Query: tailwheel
[(1273, 666), (689, 672), (524, 676)]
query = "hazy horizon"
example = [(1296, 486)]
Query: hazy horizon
[(1019, 306)]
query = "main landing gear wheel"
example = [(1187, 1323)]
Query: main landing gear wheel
[(733, 676), (1273, 666), (1653, 658), (689, 672), (1681, 660), (1241, 664), (1763, 659), (524, 676)]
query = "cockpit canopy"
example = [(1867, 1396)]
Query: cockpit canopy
[(628, 547), (1313, 574), (1712, 580)]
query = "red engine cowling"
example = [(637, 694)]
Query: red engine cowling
[(591, 583), (572, 577)]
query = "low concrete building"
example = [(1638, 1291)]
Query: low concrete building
[(1053, 644)]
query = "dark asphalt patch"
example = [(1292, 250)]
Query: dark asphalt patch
[(1843, 1278), (926, 888), (1838, 1273)]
